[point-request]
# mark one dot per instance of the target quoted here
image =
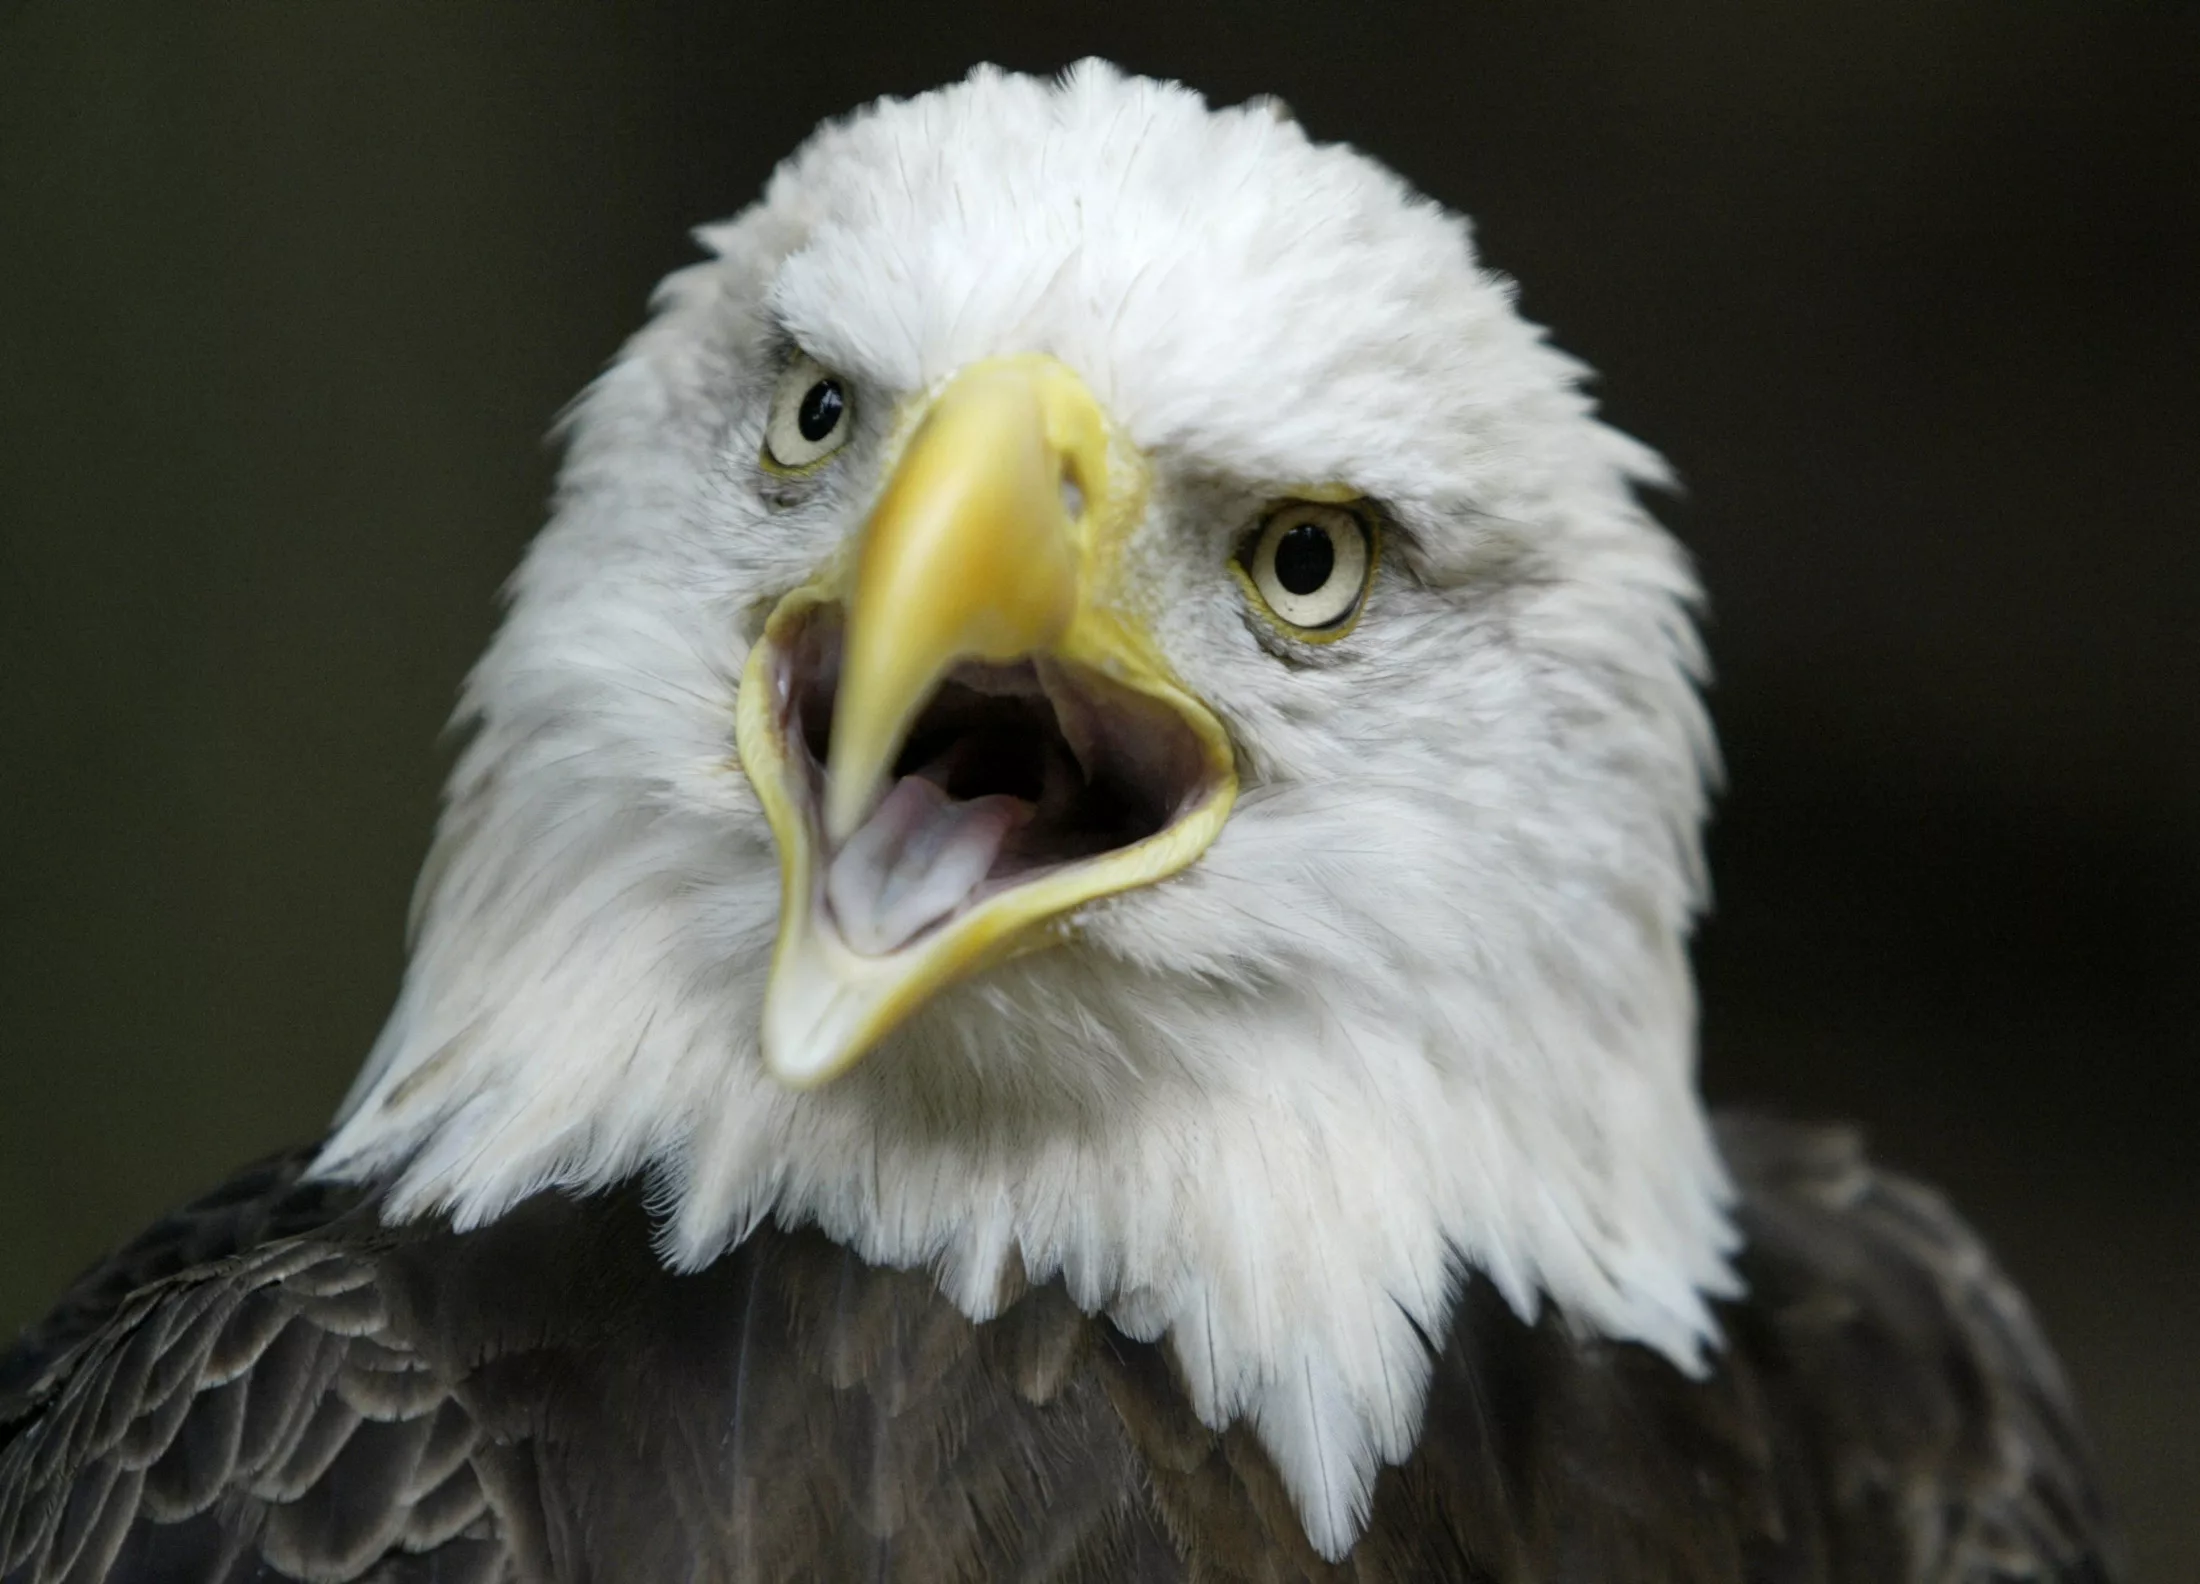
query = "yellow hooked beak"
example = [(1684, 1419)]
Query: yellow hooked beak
[(962, 731)]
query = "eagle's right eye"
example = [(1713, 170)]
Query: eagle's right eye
[(811, 417)]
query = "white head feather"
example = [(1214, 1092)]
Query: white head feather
[(1422, 1014)]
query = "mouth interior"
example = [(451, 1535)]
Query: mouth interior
[(1010, 772)]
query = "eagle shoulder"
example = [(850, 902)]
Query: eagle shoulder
[(1898, 1364), (542, 1398), (228, 1397)]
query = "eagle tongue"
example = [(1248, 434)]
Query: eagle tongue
[(914, 861)]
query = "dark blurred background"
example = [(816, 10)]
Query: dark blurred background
[(1909, 293)]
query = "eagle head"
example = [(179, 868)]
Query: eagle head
[(1095, 706)]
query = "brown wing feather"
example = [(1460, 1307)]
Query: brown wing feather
[(1905, 1371), (264, 1201), (254, 1417), (324, 1399)]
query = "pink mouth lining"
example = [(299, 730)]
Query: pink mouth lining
[(1010, 771)]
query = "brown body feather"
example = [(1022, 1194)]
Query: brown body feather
[(272, 1385)]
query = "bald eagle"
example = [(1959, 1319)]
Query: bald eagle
[(1058, 951)]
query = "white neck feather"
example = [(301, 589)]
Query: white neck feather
[(1288, 1188)]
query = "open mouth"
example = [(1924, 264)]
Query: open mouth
[(1009, 773)]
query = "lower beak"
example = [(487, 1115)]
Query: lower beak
[(963, 733)]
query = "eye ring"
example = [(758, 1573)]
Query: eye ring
[(812, 416), (1309, 565)]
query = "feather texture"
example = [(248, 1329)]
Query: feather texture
[(318, 1397)]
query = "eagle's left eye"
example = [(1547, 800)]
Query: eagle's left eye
[(1311, 563), (811, 416)]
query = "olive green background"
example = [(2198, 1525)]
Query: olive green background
[(1909, 292)]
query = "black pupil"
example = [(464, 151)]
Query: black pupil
[(1305, 556), (820, 412)]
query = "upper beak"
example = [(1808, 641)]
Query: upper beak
[(979, 659), (971, 553)]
